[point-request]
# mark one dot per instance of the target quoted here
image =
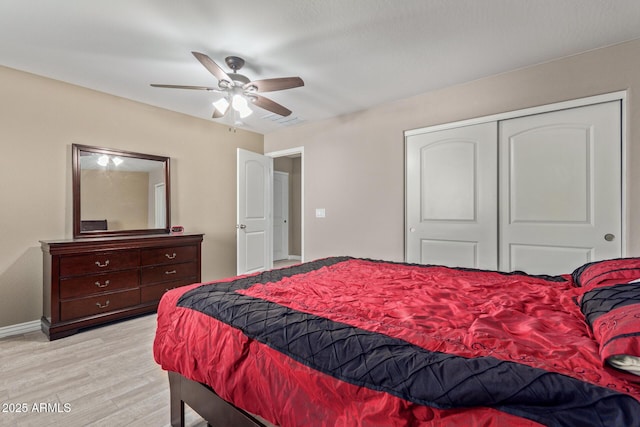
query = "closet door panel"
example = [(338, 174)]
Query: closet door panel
[(553, 258), (550, 176), (448, 252), (560, 189), (448, 182), (451, 194)]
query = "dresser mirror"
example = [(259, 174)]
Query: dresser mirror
[(118, 193)]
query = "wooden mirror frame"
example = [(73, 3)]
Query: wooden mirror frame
[(76, 149)]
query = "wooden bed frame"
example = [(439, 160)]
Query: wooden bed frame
[(202, 399)]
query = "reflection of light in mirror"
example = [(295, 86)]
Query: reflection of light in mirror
[(104, 160)]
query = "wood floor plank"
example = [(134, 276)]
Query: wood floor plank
[(105, 376)]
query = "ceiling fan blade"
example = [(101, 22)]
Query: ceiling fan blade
[(207, 88), (217, 114), (212, 67), (270, 105), (271, 85)]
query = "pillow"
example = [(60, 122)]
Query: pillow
[(612, 270), (626, 363), (613, 313)]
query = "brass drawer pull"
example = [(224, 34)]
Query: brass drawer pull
[(102, 285), (170, 272), (172, 256), (106, 304), (102, 265)]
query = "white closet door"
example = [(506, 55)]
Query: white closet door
[(451, 196), (560, 189)]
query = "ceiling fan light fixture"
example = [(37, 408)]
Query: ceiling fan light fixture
[(239, 103), (245, 112), (239, 89), (225, 84), (221, 105)]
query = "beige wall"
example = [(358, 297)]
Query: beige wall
[(40, 119), (354, 165), (120, 197)]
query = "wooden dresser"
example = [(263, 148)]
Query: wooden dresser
[(88, 282)]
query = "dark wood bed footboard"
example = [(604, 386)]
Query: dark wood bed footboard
[(202, 399)]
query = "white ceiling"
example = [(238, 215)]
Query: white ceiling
[(352, 54)]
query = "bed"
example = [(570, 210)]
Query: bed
[(344, 341)]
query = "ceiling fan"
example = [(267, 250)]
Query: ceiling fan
[(238, 89)]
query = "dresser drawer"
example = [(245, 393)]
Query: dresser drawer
[(105, 303), (155, 292), (171, 272), (98, 283), (98, 262), (169, 255)]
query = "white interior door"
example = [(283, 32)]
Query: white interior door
[(160, 205), (451, 194), (254, 212), (280, 215), (560, 189)]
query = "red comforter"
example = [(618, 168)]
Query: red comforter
[(343, 342)]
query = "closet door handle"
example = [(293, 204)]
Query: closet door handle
[(609, 237)]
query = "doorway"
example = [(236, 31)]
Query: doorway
[(291, 162)]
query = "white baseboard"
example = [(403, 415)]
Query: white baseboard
[(296, 257), (20, 328)]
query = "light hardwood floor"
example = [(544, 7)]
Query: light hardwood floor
[(285, 263), (104, 376)]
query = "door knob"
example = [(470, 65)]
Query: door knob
[(241, 226), (609, 237)]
